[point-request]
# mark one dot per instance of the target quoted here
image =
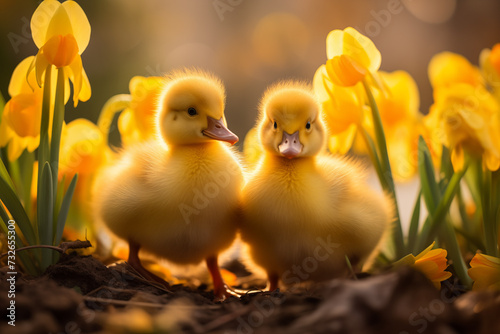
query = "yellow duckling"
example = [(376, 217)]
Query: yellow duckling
[(304, 210), (178, 200)]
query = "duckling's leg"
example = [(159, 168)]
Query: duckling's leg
[(135, 262), (221, 290), (273, 281)]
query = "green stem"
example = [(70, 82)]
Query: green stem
[(455, 255), (414, 223), (431, 225), (386, 178), (372, 152), (55, 141), (490, 235)]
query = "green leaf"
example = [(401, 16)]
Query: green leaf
[(11, 201), (414, 222), (4, 174), (2, 104), (429, 186), (63, 212), (431, 226), (46, 206), (26, 261), (45, 210)]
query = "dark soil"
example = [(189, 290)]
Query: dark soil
[(81, 295)]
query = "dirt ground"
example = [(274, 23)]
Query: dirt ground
[(81, 295)]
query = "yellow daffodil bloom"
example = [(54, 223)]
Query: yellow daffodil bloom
[(485, 271), (136, 123), (447, 68), (490, 67), (399, 104), (20, 125), (343, 110), (62, 32), (82, 148), (430, 262), (351, 56), (466, 118)]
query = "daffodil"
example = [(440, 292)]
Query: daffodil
[(447, 68), (351, 56), (62, 32), (430, 262), (466, 119), (82, 147), (485, 271), (20, 125), (490, 67), (136, 123), (343, 109), (398, 103)]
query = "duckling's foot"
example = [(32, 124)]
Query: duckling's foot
[(221, 290), (135, 262)]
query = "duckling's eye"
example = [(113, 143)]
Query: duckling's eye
[(308, 125), (275, 125), (192, 112)]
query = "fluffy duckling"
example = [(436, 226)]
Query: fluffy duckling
[(177, 196), (304, 210)]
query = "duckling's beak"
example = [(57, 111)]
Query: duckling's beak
[(290, 146), (218, 131)]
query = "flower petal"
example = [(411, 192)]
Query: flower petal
[(457, 158), (79, 23), (41, 19), (60, 24), (18, 83), (447, 68), (75, 75), (341, 143), (355, 45)]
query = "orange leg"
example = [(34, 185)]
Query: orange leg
[(273, 281), (220, 288), (135, 262)]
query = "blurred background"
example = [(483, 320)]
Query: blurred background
[(251, 43)]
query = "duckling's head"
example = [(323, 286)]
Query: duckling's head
[(191, 109), (290, 123)]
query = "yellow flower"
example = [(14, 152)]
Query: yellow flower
[(136, 123), (430, 262), (490, 67), (20, 125), (485, 271), (466, 118), (62, 32), (447, 68), (399, 104), (343, 110), (351, 56), (82, 148)]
